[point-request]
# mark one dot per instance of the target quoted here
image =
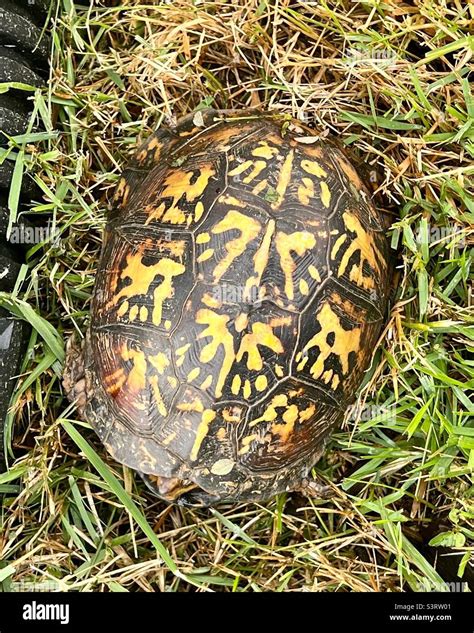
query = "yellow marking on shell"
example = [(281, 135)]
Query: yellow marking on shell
[(226, 134), (260, 260), (113, 376), (154, 213), (261, 335), (169, 438), (291, 414), (358, 314), (313, 168), (186, 133), (114, 387), (178, 183), (143, 454), (295, 392), (337, 245), (279, 371), (258, 167), (143, 313), (236, 384), (284, 178), (232, 415), (222, 466), (159, 361), (231, 201), (123, 309), (203, 238), (141, 155), (205, 255), (314, 272), (241, 322), (327, 376), (314, 151), (331, 377), (172, 381), (260, 186), (325, 194), (207, 383), (279, 321), (157, 396), (307, 413), (167, 324), (350, 172), (182, 350), (198, 211), (153, 143), (246, 441), (221, 434), (249, 229), (168, 269), (136, 379), (285, 244), (174, 247), (345, 342), (208, 416), (369, 252), (240, 168), (261, 382), (174, 215), (264, 151), (122, 192), (276, 139), (143, 276), (211, 301), (286, 429), (194, 405), (304, 288), (178, 186), (193, 374), (306, 191), (270, 414), (220, 335)]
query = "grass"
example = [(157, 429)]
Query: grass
[(392, 81)]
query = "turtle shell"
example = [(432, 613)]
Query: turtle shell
[(239, 297)]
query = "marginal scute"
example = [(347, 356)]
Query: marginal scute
[(289, 426), (240, 294), (138, 380)]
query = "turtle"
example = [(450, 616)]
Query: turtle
[(241, 290)]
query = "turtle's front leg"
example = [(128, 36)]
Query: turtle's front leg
[(315, 489)]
